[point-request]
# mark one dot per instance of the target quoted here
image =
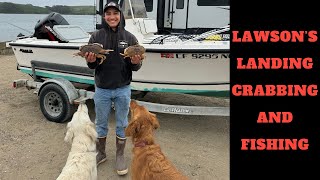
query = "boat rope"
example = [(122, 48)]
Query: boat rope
[(209, 33), (131, 9), (184, 38)]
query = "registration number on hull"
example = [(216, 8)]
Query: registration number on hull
[(195, 55)]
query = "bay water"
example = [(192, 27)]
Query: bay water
[(11, 25)]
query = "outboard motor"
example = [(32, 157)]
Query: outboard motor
[(41, 32)]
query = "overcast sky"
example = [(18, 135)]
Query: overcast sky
[(43, 3)]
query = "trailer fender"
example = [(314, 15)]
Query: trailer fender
[(66, 85)]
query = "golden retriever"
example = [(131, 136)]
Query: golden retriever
[(81, 133), (148, 163)]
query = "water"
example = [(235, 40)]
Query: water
[(13, 24)]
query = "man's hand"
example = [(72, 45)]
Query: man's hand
[(90, 57), (136, 59)]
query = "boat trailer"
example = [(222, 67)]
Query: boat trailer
[(57, 97)]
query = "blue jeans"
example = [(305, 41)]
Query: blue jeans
[(103, 99)]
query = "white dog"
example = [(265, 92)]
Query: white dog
[(81, 133)]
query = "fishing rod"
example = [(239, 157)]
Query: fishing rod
[(19, 27)]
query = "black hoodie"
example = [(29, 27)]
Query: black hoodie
[(115, 71)]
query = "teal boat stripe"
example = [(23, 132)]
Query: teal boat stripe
[(169, 90), (49, 75)]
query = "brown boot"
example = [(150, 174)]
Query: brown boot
[(121, 165), (101, 148)]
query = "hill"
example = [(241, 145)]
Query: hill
[(12, 8)]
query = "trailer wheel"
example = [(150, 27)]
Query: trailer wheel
[(54, 103)]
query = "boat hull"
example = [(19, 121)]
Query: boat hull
[(191, 71)]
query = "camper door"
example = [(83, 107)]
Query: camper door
[(176, 14)]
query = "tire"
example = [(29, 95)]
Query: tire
[(54, 103)]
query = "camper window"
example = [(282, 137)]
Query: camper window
[(149, 5), (213, 3), (180, 4)]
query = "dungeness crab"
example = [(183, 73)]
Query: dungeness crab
[(96, 48), (134, 50)]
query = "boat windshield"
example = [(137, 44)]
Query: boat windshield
[(138, 8)]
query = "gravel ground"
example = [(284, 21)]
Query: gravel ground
[(33, 148)]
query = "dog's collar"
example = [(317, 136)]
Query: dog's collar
[(140, 144)]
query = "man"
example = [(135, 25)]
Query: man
[(112, 81)]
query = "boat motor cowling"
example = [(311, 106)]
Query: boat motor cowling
[(41, 32)]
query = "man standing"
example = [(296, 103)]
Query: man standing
[(112, 81)]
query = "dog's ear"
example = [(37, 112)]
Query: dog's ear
[(133, 128), (91, 131), (69, 135), (154, 121), (133, 103)]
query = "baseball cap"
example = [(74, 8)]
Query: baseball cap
[(111, 4)]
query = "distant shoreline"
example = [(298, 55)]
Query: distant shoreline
[(49, 13), (13, 8)]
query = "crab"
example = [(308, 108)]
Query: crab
[(96, 48), (134, 50)]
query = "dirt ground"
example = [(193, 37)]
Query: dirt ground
[(33, 148)]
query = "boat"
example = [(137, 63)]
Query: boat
[(181, 56)]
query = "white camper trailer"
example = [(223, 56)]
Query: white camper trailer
[(182, 16)]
